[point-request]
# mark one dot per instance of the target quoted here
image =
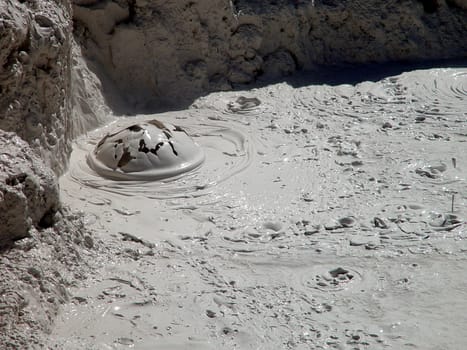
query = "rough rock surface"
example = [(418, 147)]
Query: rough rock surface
[(28, 189), (35, 76), (35, 273), (89, 109), (168, 51), (42, 246)]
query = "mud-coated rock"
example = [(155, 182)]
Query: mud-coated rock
[(28, 189), (35, 44)]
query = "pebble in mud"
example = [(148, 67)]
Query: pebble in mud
[(150, 150)]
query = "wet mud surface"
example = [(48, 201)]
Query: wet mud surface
[(323, 217)]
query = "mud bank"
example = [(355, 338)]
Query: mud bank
[(184, 48)]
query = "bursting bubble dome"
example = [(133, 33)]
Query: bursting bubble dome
[(149, 150)]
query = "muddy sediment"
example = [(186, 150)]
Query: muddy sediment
[(324, 216)]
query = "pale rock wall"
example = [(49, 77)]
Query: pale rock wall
[(165, 52), (28, 190), (89, 108), (37, 242), (35, 65)]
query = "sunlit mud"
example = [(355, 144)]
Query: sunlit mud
[(322, 217)]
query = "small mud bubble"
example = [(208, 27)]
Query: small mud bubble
[(227, 330), (380, 223), (338, 271), (210, 313), (420, 119), (149, 150), (125, 341), (347, 221), (244, 104), (273, 226)]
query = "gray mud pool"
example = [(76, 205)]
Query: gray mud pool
[(307, 216)]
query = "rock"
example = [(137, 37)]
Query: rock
[(279, 63), (28, 189), (462, 4), (35, 64)]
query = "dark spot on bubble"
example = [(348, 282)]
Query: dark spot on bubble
[(142, 146), (135, 128), (158, 146), (101, 142), (126, 158), (157, 124), (173, 148)]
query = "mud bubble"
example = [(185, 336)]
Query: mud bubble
[(150, 150)]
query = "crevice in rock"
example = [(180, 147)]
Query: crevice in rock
[(430, 6), (16, 179), (132, 11), (48, 220)]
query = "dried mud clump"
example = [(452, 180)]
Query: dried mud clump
[(29, 195)]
